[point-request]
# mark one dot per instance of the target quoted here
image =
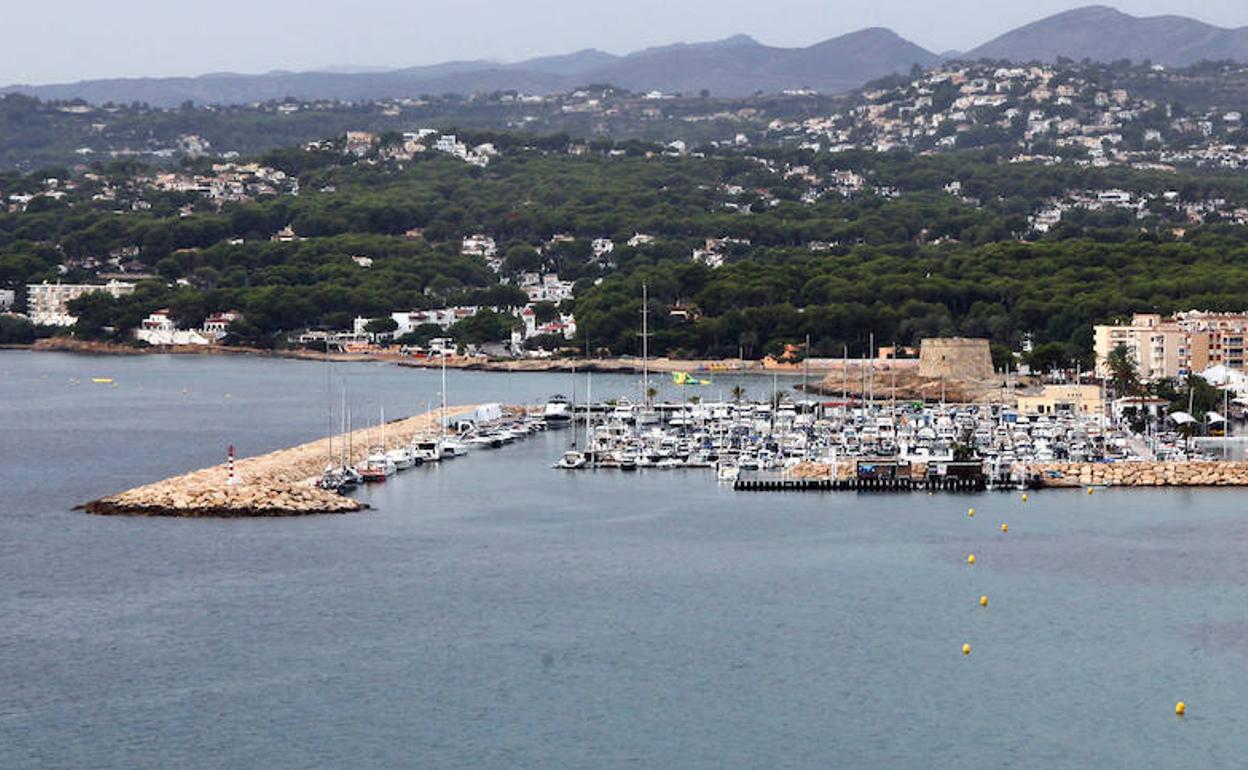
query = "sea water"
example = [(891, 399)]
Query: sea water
[(492, 612)]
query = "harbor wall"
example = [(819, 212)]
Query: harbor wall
[(1213, 473), (281, 483)]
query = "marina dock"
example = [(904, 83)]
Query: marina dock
[(281, 483), (886, 447)]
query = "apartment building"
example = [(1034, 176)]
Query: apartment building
[(47, 304), (1172, 347)]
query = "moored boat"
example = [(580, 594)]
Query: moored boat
[(571, 460), (558, 412), (377, 467)]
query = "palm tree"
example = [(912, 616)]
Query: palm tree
[(1122, 371)]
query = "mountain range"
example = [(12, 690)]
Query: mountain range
[(735, 66), (1102, 33)]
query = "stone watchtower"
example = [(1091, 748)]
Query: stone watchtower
[(955, 358)]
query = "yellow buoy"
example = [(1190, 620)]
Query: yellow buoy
[(966, 649), (983, 600), (1089, 490), (102, 380), (1180, 708), (970, 559), (1024, 497), (1005, 527), (970, 511)]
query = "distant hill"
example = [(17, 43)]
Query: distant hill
[(736, 66), (732, 67), (740, 66), (1102, 33), (567, 64)]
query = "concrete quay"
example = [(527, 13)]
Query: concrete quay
[(281, 483)]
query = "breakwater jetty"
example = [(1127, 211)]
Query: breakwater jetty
[(281, 483), (1211, 473), (893, 476)]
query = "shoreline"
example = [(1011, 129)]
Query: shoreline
[(88, 348), (619, 365), (838, 379)]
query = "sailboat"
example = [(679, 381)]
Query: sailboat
[(378, 466), (338, 476), (646, 414), (349, 472), (342, 477), (448, 446), (572, 458), (332, 478)]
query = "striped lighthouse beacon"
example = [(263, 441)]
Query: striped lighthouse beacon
[(229, 464)]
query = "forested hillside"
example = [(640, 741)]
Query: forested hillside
[(752, 251)]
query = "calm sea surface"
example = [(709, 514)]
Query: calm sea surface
[(494, 613)]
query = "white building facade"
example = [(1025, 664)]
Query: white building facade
[(47, 304)]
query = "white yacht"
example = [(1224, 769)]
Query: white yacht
[(427, 450), (452, 447), (558, 412), (403, 458), (378, 466), (571, 460)]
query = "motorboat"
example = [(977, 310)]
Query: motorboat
[(377, 467), (428, 450), (452, 447), (488, 440), (558, 412), (571, 460), (402, 457)]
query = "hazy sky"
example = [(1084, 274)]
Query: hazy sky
[(44, 42)]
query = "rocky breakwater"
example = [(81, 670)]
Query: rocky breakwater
[(281, 483), (1142, 474)]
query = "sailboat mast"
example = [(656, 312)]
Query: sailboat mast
[(645, 344), (329, 399), (442, 415), (892, 368), (871, 354), (806, 367)]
